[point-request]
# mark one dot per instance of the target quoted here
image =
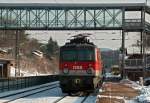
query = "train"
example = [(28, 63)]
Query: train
[(80, 65), (115, 70)]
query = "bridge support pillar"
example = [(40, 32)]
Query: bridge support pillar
[(123, 55)]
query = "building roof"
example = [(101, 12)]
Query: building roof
[(4, 59)]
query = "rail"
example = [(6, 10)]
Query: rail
[(7, 84)]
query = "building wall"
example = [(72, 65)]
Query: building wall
[(5, 71)]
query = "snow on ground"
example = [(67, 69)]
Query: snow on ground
[(130, 101), (145, 95), (107, 96), (110, 75), (90, 99), (132, 84), (48, 96), (24, 73), (22, 94), (71, 99), (118, 92), (27, 73), (52, 95), (144, 90), (76, 99), (25, 89)]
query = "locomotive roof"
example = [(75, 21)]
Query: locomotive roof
[(78, 46), (80, 40)]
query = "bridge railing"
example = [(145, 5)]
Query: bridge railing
[(148, 62), (133, 62), (147, 26), (134, 23), (133, 20), (137, 62), (15, 83), (62, 24)]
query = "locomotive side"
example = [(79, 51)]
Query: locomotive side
[(80, 66)]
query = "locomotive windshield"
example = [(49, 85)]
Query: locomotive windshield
[(85, 55), (68, 55), (77, 55)]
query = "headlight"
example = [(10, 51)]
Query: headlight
[(77, 81), (66, 70), (89, 70)]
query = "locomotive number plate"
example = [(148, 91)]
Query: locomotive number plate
[(77, 67)]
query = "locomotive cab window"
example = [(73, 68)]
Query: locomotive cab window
[(68, 55), (86, 55), (78, 55)]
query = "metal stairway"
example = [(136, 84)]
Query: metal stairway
[(147, 9), (147, 27), (147, 24)]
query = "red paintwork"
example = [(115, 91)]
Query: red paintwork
[(96, 65)]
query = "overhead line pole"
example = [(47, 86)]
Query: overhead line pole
[(144, 42), (123, 45), (17, 70)]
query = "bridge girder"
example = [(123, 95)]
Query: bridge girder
[(60, 19), (64, 16)]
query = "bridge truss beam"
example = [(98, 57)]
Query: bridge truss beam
[(60, 19)]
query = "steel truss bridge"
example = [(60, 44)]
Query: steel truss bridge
[(71, 16)]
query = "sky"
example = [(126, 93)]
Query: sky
[(62, 36), (96, 37)]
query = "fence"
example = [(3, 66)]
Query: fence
[(7, 84)]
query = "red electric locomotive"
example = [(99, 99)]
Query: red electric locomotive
[(80, 65)]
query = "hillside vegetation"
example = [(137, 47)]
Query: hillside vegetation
[(28, 60)]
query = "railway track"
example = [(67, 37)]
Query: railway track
[(59, 99), (19, 95), (84, 99), (71, 99)]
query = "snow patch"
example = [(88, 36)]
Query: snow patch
[(110, 75), (130, 101), (107, 96), (131, 84), (144, 90), (25, 89), (145, 95)]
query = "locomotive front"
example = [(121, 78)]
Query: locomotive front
[(80, 66)]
